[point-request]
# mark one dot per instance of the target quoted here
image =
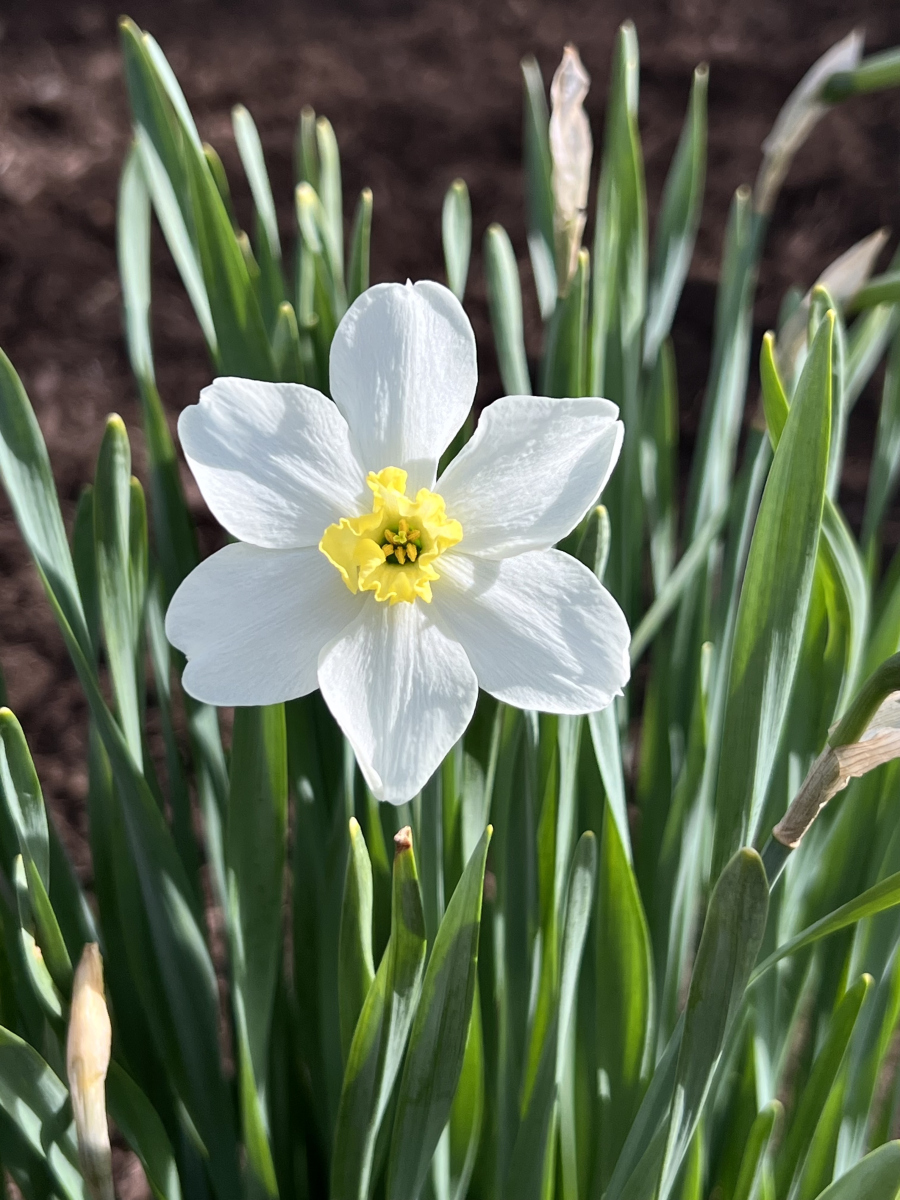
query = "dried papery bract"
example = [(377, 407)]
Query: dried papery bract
[(837, 765), (572, 148), (801, 113), (88, 1048)]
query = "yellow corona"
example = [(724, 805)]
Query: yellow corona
[(393, 550)]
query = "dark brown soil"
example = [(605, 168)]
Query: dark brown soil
[(418, 94)]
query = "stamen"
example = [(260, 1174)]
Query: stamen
[(411, 552), (387, 551), (401, 555)]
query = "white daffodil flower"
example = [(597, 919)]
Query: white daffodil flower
[(355, 572)]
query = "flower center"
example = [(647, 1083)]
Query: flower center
[(402, 543), (392, 550)]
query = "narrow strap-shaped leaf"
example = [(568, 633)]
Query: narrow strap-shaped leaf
[(874, 73), (255, 849), (178, 239), (605, 740), (647, 1136), (242, 343), (839, 557), (174, 537), (145, 1133), (677, 583), (271, 287), (360, 247), (505, 302), (49, 935), (21, 794), (619, 282), (321, 300), (679, 220), (539, 185), (173, 532), (818, 1085), (356, 969), (624, 994), (875, 1177), (774, 602), (306, 150), (223, 187), (34, 1098), (876, 899), (250, 149), (732, 934), (172, 87), (886, 462), (659, 464), (376, 1052), (329, 188), (179, 988), (713, 462), (34, 968), (564, 368), (529, 1166), (112, 517), (85, 563), (286, 345), (161, 654), (28, 479), (755, 1151), (456, 233), (467, 1113), (437, 1042), (156, 102)]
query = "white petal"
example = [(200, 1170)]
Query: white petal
[(403, 693), (252, 623), (403, 373), (532, 469), (273, 460), (540, 629)]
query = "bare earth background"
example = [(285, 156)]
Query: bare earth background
[(418, 93)]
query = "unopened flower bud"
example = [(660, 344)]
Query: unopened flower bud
[(88, 1048), (571, 148)]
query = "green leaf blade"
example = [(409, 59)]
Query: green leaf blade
[(437, 1043), (773, 605)]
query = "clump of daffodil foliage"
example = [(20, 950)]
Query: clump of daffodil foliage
[(552, 848)]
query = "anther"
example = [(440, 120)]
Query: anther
[(401, 554), (411, 552)]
